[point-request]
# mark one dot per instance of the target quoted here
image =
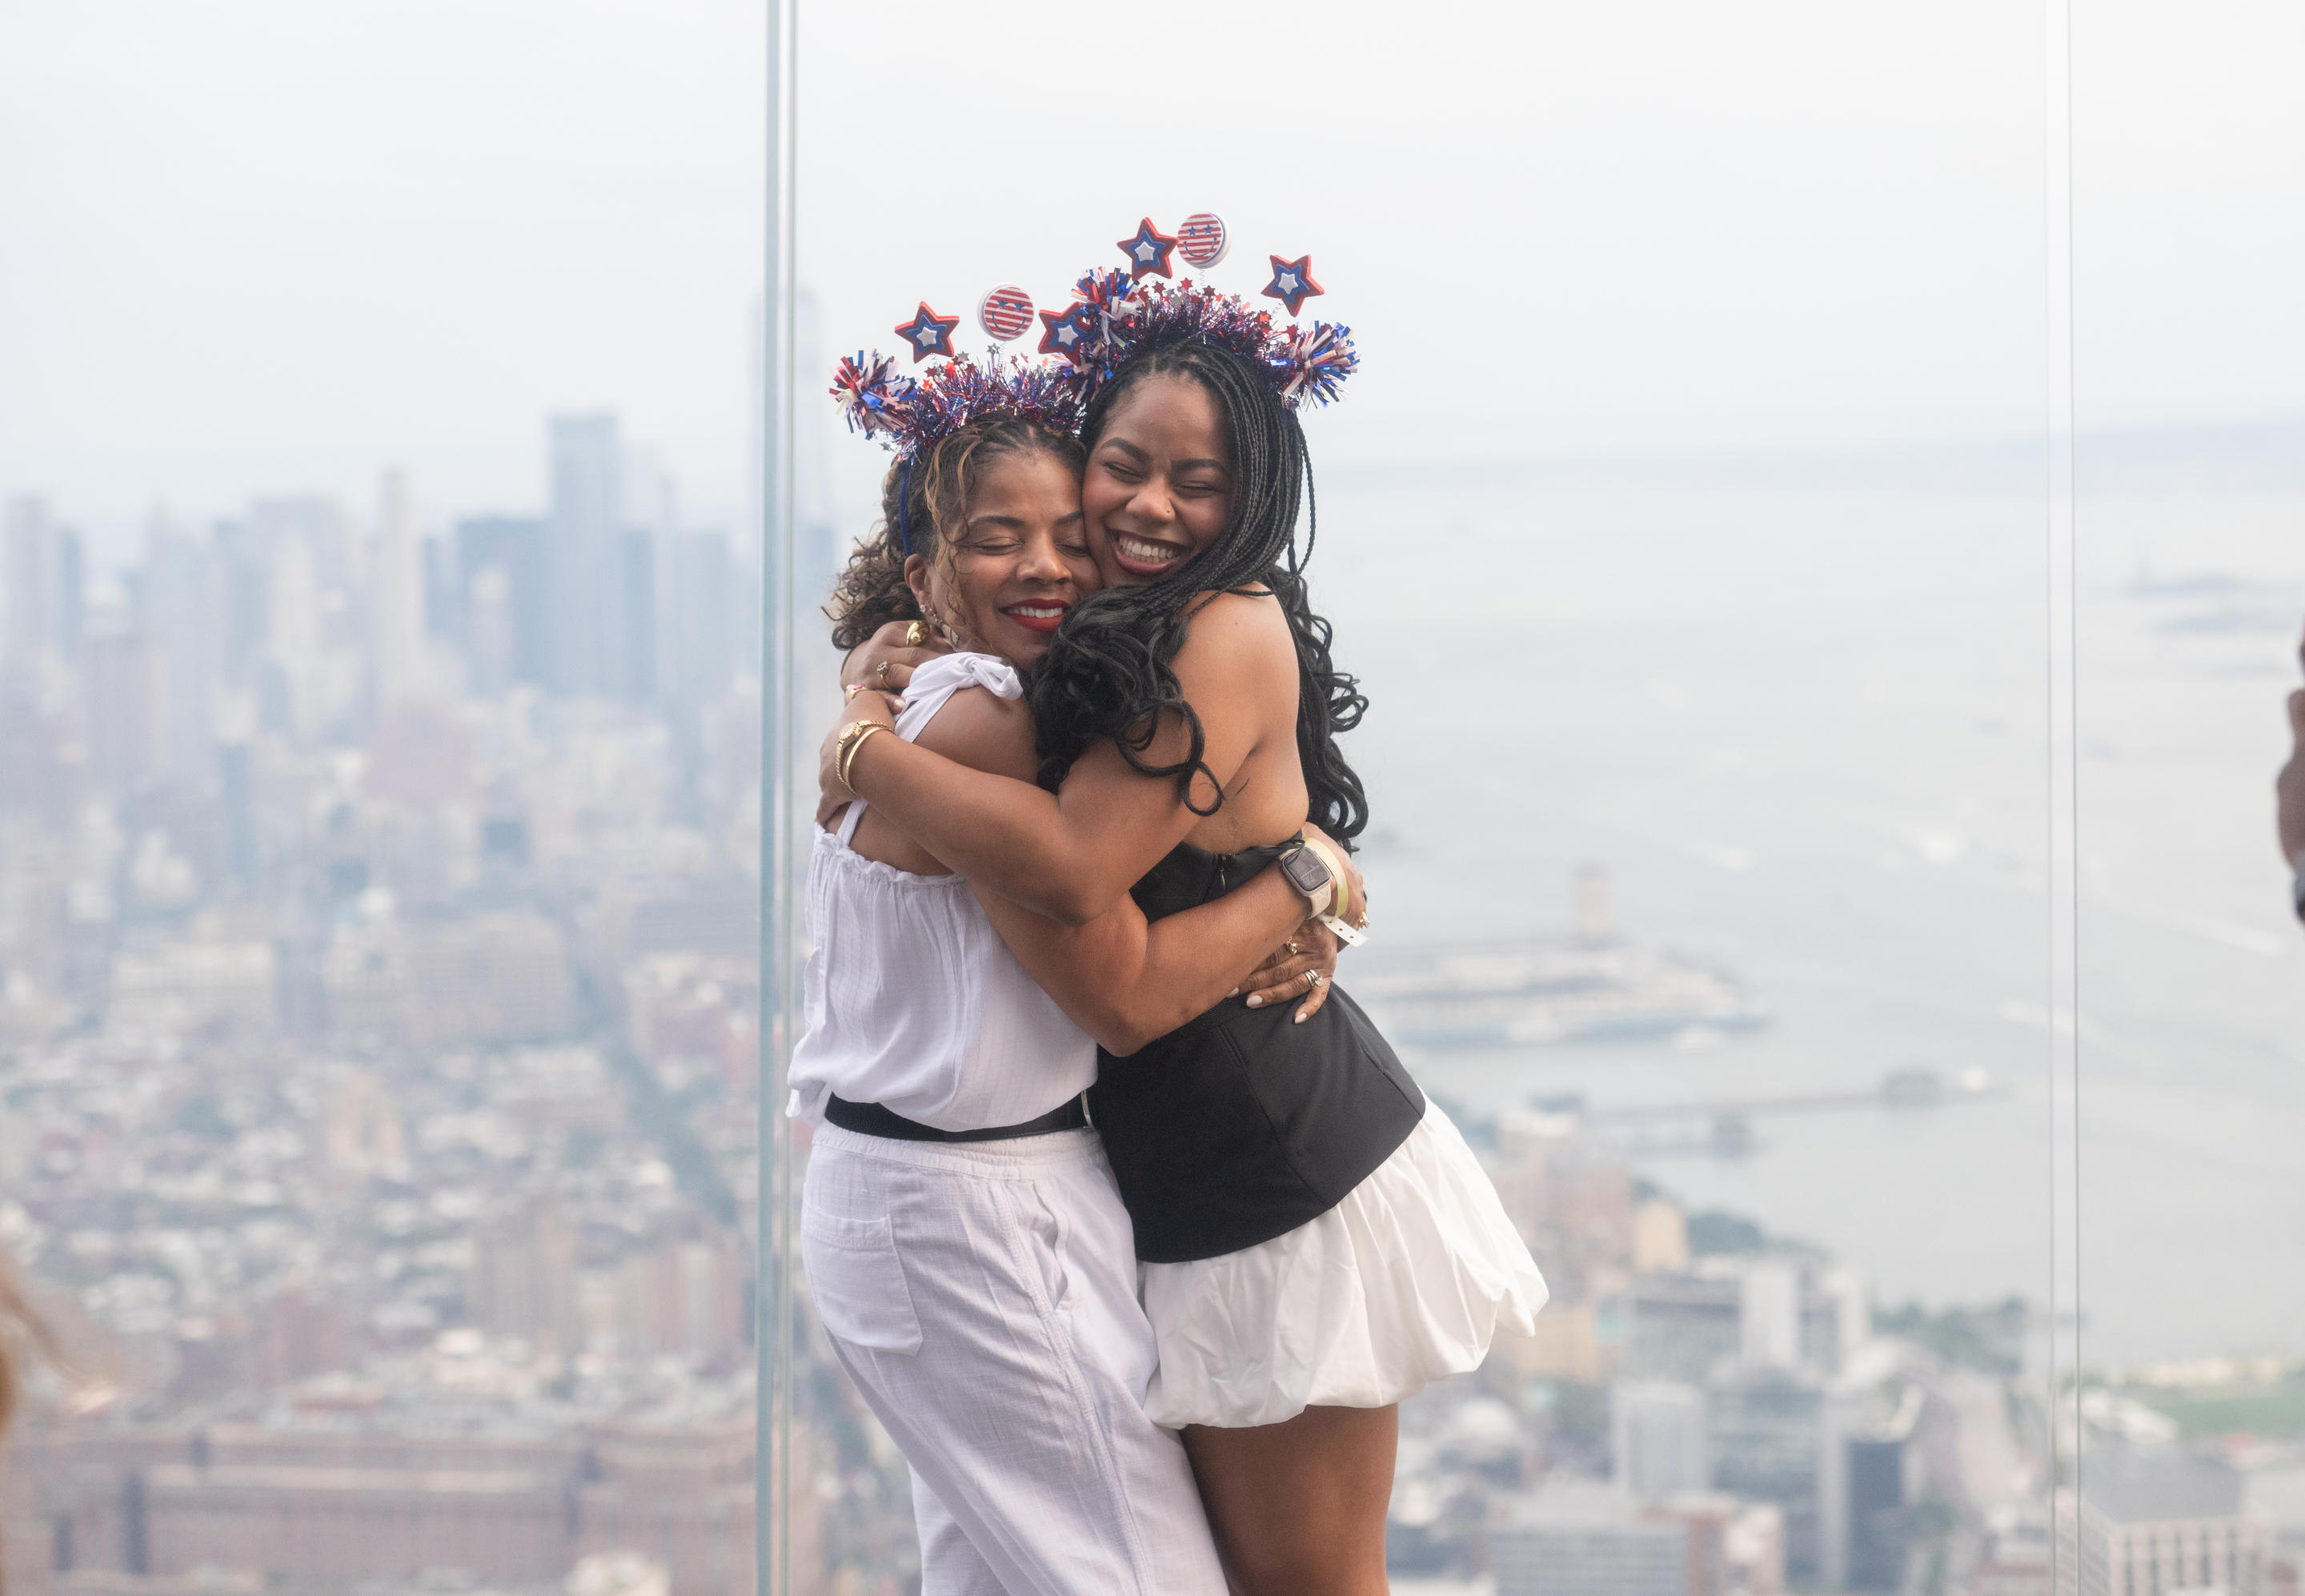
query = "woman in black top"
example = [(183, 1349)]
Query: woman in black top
[(1317, 1240)]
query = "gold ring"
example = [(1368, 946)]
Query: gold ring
[(916, 634), (883, 673), (1293, 949)]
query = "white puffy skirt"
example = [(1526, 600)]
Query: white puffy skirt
[(1403, 1283)]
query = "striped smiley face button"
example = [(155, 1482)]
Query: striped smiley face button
[(1202, 240), (1005, 313)]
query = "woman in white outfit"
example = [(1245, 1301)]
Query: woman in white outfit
[(965, 1242), (1317, 1241)]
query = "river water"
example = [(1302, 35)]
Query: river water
[(1798, 708)]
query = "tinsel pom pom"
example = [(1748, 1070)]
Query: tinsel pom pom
[(1316, 362), (872, 394)]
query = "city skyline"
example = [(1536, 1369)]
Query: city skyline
[(379, 1028), (381, 997), (386, 1090)]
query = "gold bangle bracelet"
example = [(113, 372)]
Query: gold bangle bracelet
[(848, 765), (843, 753)]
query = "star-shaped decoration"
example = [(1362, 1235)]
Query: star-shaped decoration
[(1292, 282), (928, 333), (1067, 332), (1148, 252)]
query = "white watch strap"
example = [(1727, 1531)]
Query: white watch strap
[(1340, 894)]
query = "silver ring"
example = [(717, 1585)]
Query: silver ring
[(1312, 979)]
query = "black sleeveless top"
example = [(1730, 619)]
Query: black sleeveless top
[(1241, 1125)]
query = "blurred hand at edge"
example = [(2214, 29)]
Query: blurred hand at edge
[(2289, 786)]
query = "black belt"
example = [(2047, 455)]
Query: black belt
[(871, 1119)]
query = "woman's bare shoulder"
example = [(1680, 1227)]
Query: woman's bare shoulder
[(1239, 627)]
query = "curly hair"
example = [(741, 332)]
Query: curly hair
[(1110, 671), (929, 503)]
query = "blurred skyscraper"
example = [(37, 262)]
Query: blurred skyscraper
[(1868, 1473), (501, 616), (524, 1276), (400, 651), (590, 647), (44, 585), (2160, 1519), (1764, 1430), (123, 697), (1657, 1438), (635, 602), (178, 613), (1579, 1538), (1770, 1309)]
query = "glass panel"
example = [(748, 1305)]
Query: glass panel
[(1685, 527), (378, 859), (2190, 378)]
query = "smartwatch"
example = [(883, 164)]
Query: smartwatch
[(1310, 873), (1307, 867)]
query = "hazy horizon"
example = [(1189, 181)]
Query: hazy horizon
[(275, 251)]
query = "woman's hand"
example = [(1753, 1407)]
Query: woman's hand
[(1305, 964), (2289, 785), (1310, 951), (885, 660), (832, 796)]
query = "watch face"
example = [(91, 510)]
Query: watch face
[(1305, 868)]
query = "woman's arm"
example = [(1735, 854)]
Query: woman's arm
[(1121, 978), (1073, 855), (1127, 982)]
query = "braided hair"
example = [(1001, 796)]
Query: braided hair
[(926, 498), (1110, 671)]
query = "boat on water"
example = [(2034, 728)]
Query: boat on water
[(1584, 985)]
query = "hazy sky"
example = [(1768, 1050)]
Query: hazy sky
[(261, 245)]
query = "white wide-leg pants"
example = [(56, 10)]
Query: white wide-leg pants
[(983, 1296)]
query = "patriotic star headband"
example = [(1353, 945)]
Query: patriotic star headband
[(1113, 316), (1124, 320), (910, 416)]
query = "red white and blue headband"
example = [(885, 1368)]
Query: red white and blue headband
[(1112, 316)]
